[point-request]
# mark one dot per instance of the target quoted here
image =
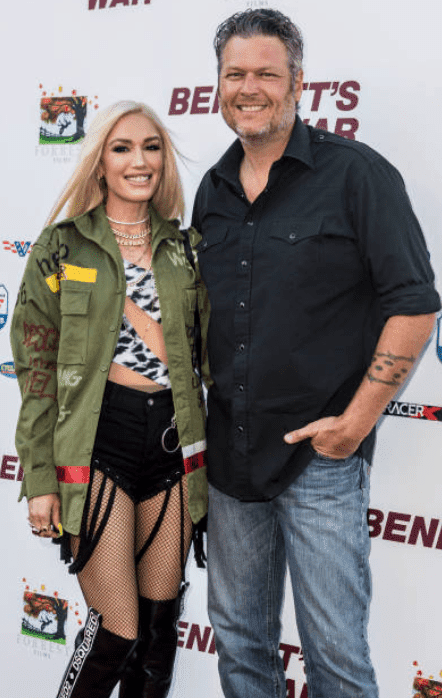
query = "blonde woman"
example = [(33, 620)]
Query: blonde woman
[(111, 429)]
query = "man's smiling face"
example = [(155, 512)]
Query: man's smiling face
[(255, 87)]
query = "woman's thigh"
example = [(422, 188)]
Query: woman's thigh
[(108, 579)]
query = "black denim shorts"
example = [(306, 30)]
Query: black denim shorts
[(137, 444)]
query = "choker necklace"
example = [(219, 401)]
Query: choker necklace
[(143, 234), (132, 240), (125, 222), (131, 243)]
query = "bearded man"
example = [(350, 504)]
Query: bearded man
[(322, 298)]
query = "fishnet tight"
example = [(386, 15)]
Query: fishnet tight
[(110, 581)]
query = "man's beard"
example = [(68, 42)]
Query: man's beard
[(270, 128)]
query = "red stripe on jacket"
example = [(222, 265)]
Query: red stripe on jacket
[(73, 474)]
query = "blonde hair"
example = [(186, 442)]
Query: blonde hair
[(83, 191)]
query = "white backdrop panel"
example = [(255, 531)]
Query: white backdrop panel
[(381, 64)]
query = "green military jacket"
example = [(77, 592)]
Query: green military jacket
[(64, 332)]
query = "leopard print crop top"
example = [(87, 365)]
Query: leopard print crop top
[(131, 351)]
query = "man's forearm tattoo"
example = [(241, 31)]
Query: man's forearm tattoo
[(386, 368)]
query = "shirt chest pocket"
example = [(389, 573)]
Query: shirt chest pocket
[(295, 244), (211, 241), (217, 253), (322, 249), (74, 309)]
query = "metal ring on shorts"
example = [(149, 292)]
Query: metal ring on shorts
[(172, 427)]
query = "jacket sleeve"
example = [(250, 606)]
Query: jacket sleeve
[(204, 312), (34, 340)]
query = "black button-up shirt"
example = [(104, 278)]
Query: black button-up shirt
[(300, 283)]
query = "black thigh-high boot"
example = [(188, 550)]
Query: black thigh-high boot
[(148, 674), (96, 664)]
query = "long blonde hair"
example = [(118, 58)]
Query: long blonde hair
[(83, 191)]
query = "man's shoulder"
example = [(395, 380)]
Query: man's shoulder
[(347, 147)]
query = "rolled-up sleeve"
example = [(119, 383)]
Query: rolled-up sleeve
[(392, 245)]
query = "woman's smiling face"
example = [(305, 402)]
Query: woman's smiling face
[(132, 161)]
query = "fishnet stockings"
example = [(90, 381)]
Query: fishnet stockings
[(110, 581)]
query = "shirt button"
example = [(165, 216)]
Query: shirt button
[(241, 347), (150, 402), (112, 328), (241, 387), (240, 428), (103, 368), (244, 263), (249, 222), (96, 410), (242, 304), (292, 236), (205, 243)]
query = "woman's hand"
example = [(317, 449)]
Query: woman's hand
[(44, 515)]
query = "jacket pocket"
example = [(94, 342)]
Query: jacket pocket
[(74, 308)]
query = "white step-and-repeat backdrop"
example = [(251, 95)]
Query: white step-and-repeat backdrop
[(373, 72)]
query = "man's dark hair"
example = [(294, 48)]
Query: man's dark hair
[(265, 22)]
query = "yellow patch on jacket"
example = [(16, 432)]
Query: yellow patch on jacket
[(71, 273)]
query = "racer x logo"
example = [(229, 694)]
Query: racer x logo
[(20, 248)]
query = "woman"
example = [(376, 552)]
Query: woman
[(111, 428)]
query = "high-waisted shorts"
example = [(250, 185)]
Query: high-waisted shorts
[(137, 444), (137, 449)]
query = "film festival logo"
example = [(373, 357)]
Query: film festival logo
[(3, 306), (7, 369), (426, 687), (45, 617), (253, 3), (107, 4), (21, 248), (63, 119)]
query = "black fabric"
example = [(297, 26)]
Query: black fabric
[(129, 451), (149, 673), (128, 446), (300, 283), (196, 325), (97, 662)]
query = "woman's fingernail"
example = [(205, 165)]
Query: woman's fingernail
[(60, 530)]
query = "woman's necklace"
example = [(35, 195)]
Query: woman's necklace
[(139, 236), (131, 240), (112, 220), (142, 276)]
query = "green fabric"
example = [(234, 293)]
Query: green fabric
[(63, 344)]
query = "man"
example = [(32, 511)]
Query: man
[(322, 298)]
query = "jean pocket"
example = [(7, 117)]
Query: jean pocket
[(330, 459)]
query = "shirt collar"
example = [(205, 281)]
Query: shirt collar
[(298, 148)]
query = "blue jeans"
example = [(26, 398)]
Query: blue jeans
[(318, 526)]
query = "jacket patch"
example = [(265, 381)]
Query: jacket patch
[(71, 273), (195, 461), (73, 474)]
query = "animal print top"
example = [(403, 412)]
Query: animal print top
[(131, 351)]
